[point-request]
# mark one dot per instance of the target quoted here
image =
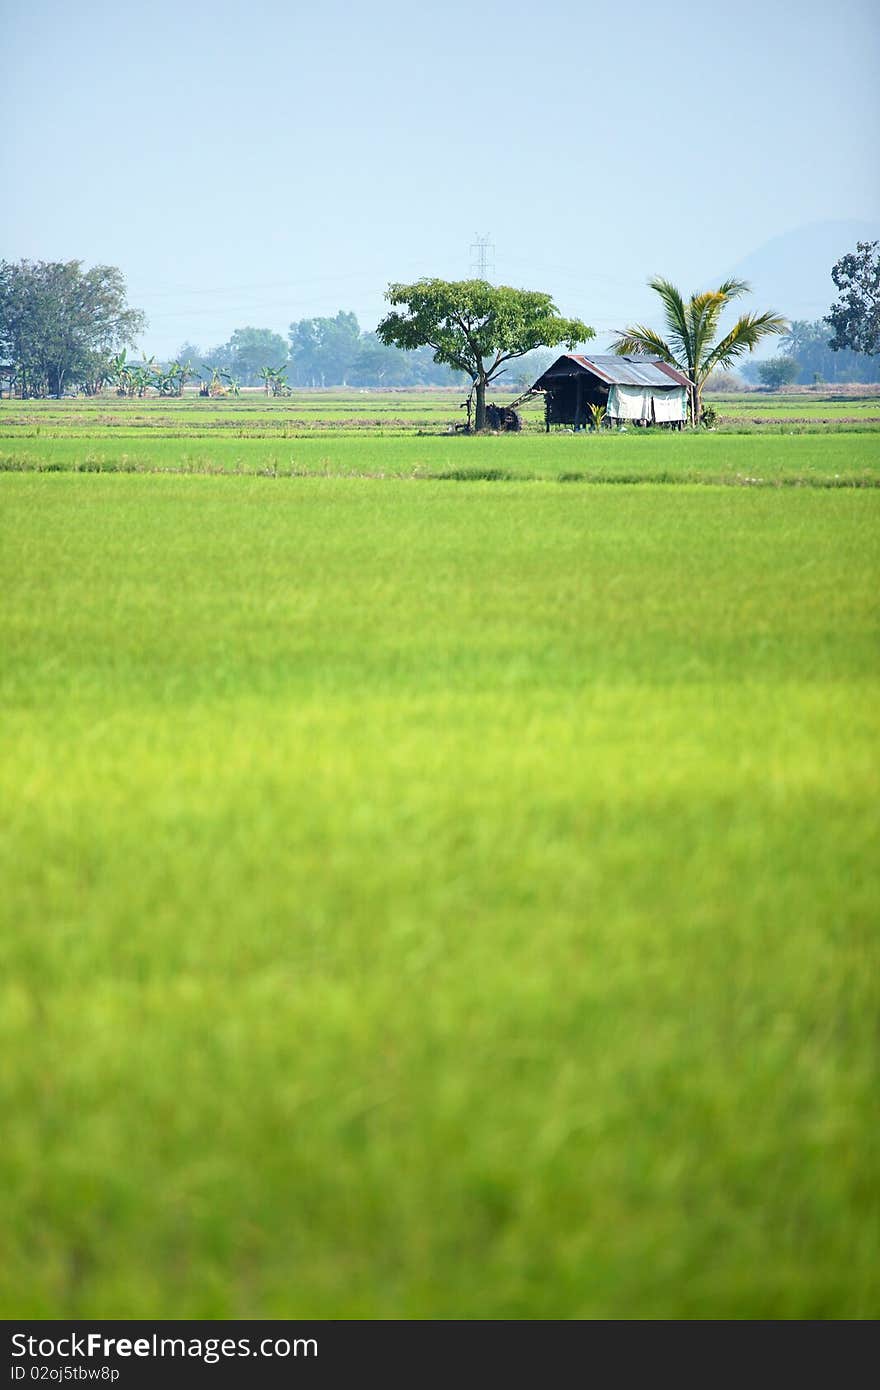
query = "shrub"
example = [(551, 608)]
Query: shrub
[(778, 372)]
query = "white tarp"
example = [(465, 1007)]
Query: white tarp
[(646, 403), (670, 405), (630, 402)]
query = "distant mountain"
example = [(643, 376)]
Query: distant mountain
[(792, 273)]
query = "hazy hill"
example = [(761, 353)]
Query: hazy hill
[(792, 273)]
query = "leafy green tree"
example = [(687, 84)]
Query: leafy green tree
[(375, 364), (189, 352), (250, 349), (61, 326), (692, 344), (476, 327), (855, 318), (323, 350), (778, 372), (219, 357), (427, 372)]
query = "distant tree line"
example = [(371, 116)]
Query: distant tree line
[(844, 346), (809, 359), (65, 328), (329, 351)]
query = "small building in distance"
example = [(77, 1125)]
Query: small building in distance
[(642, 390)]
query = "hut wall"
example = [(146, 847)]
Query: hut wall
[(569, 406)]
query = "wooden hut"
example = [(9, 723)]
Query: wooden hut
[(642, 390)]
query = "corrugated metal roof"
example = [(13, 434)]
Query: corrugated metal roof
[(631, 371), (624, 371), (678, 377)]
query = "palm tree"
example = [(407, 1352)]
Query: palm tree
[(692, 329)]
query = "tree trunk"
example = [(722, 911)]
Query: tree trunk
[(480, 421)]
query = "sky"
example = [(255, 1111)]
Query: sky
[(252, 164)]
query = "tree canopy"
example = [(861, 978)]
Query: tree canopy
[(322, 350), (692, 344), (250, 350), (476, 327), (374, 362), (777, 372), (855, 318), (61, 326)]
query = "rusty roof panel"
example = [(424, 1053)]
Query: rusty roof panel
[(591, 364), (678, 377)]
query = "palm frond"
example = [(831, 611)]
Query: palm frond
[(743, 337), (732, 289), (641, 339), (676, 314), (703, 313), (706, 310)]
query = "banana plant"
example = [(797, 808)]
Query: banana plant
[(142, 376), (164, 382), (172, 381), (181, 373), (273, 378), (214, 385), (120, 374)]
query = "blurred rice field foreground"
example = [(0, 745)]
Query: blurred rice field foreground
[(434, 891)]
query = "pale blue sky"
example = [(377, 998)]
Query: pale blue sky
[(256, 163)]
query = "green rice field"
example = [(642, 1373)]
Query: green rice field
[(432, 890), (389, 412)]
